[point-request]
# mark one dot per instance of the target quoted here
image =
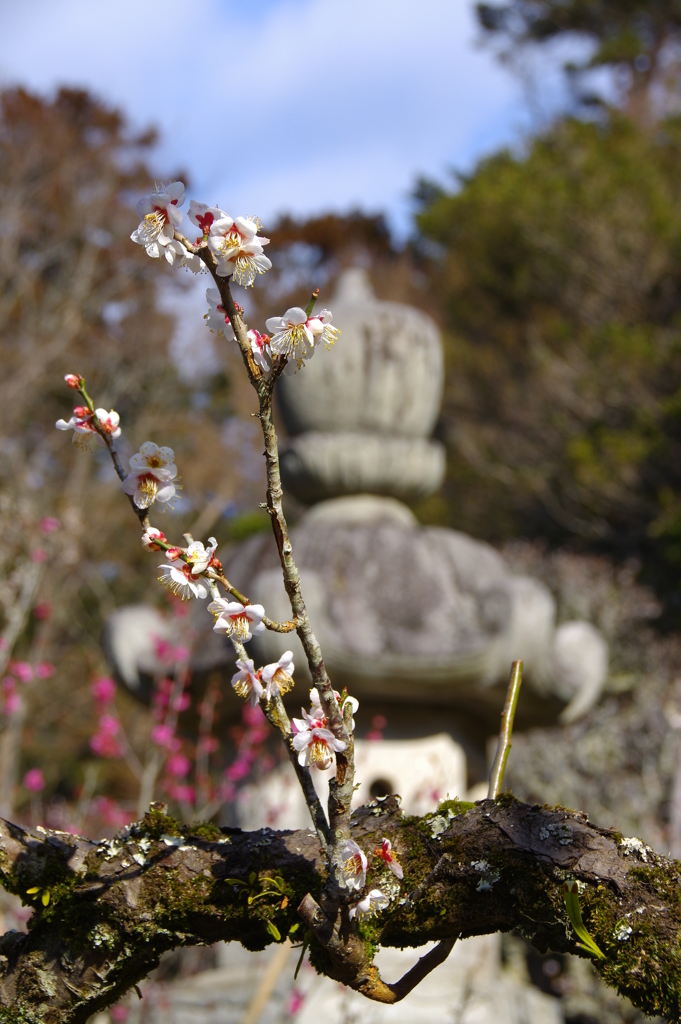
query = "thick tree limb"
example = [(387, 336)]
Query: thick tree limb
[(115, 907)]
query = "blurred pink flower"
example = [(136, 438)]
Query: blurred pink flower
[(42, 610), (12, 703), (105, 745), (109, 725), (3, 644), (39, 555), (295, 1001), (44, 669), (9, 684), (178, 765), (34, 780), (209, 744), (118, 1014), (184, 793), (182, 702), (181, 653), (22, 670), (254, 716), (49, 524), (103, 689), (162, 735)]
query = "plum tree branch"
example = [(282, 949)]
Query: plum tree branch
[(117, 905)]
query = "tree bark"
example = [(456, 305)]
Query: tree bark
[(116, 906)]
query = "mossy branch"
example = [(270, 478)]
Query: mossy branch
[(115, 907)]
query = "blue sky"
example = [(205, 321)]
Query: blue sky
[(284, 105)]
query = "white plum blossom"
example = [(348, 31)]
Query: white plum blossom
[(354, 865), (260, 349), (238, 249), (198, 557), (372, 903), (204, 216), (176, 252), (278, 677), (160, 216), (322, 328), (317, 709), (385, 852), (316, 745), (152, 470), (180, 580), (295, 335), (82, 425), (237, 620), (216, 319), (246, 681)]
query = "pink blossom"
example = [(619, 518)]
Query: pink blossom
[(42, 610), (34, 780), (254, 716), (44, 670), (22, 670), (119, 1014), (162, 735), (109, 725), (209, 744), (12, 703), (49, 524), (182, 702), (295, 1000), (103, 689), (178, 765), (9, 684), (39, 555), (105, 745), (187, 794)]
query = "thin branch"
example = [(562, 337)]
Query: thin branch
[(505, 743)]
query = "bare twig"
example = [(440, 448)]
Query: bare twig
[(504, 746)]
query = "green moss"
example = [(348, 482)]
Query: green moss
[(157, 823), (205, 830), (455, 806)]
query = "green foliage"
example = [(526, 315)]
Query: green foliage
[(558, 276)]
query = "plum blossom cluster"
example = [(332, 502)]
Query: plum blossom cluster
[(270, 681), (316, 744), (183, 577), (160, 213), (297, 333), (84, 423)]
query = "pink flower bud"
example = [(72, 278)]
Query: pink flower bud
[(103, 689), (9, 684), (118, 1014), (12, 703), (22, 670), (172, 554), (73, 380), (162, 735), (49, 524), (39, 555), (44, 670), (34, 780), (42, 610), (108, 725), (178, 765), (182, 702)]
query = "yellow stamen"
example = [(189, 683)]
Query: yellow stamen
[(145, 493)]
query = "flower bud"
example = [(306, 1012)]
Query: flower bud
[(73, 380)]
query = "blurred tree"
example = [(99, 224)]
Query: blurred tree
[(558, 277), (639, 39), (77, 296)]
